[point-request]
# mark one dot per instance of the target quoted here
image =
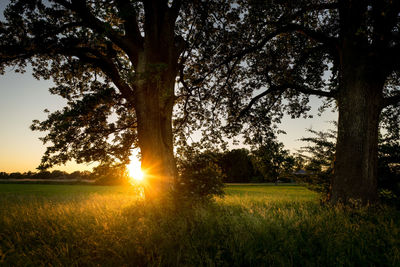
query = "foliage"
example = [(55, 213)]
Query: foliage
[(251, 226), (319, 156), (273, 162), (96, 124), (200, 177), (237, 166), (111, 175)]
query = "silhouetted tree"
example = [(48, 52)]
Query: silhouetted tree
[(237, 166), (15, 175), (319, 156), (116, 63), (42, 175), (200, 177), (278, 53), (273, 162), (57, 174)]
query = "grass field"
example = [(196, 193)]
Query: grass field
[(253, 225)]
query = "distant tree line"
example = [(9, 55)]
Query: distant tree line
[(267, 163), (55, 174)]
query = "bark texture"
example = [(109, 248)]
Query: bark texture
[(154, 83), (154, 104), (360, 101), (355, 173)]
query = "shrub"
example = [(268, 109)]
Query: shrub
[(200, 178), (111, 175)]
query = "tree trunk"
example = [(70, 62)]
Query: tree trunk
[(154, 117), (154, 82), (154, 101), (156, 146), (355, 170)]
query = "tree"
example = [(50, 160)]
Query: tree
[(57, 174), (319, 156), (237, 166), (273, 161), (106, 175), (345, 51), (116, 63), (200, 176)]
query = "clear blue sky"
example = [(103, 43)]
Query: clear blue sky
[(23, 99)]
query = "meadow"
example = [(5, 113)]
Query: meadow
[(253, 225)]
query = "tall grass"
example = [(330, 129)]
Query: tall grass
[(276, 228)]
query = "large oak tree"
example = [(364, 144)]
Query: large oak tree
[(116, 63), (279, 53)]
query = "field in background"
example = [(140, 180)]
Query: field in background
[(286, 191), (253, 225)]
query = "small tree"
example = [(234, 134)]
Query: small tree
[(273, 161), (111, 175), (318, 156), (237, 166), (200, 177)]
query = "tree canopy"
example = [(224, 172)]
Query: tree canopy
[(117, 64), (278, 53)]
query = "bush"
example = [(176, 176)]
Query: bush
[(111, 175), (237, 166), (200, 178)]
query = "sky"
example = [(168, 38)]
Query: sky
[(23, 99)]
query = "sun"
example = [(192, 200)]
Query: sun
[(135, 171)]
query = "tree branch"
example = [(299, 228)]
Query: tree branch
[(281, 88), (128, 14), (91, 21), (292, 27), (308, 91), (253, 101), (106, 65), (318, 36)]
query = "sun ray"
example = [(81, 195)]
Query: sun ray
[(134, 169)]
